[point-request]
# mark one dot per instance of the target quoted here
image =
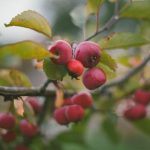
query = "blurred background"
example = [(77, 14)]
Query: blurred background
[(90, 134)]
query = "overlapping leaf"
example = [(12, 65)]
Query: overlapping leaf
[(33, 20), (137, 10), (54, 71), (25, 50), (122, 40), (13, 78), (93, 6)]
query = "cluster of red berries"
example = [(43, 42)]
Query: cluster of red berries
[(73, 108), (8, 123), (138, 111), (87, 54)]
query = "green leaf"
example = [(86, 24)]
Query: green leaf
[(143, 125), (13, 78), (78, 16), (109, 126), (93, 6), (25, 50), (33, 20), (138, 10), (122, 40), (108, 71), (54, 71), (108, 60), (107, 64)]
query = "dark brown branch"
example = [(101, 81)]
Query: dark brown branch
[(22, 91)]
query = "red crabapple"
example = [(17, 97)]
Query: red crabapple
[(135, 112), (88, 53), (9, 136), (7, 120), (74, 113), (60, 115), (67, 114), (63, 50), (83, 99), (75, 68), (33, 101), (142, 97), (28, 129), (93, 78)]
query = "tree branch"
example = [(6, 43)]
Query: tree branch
[(110, 22), (22, 91), (122, 80)]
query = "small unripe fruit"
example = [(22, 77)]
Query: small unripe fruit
[(7, 120), (83, 99), (93, 78), (60, 115), (63, 50), (9, 136), (142, 97), (37, 107), (21, 147), (88, 53), (135, 112), (28, 129), (75, 68), (74, 113)]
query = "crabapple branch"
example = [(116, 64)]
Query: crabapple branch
[(110, 22), (122, 80)]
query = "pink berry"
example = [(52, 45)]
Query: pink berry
[(135, 112), (28, 129), (63, 50), (88, 53), (83, 99), (60, 116), (75, 67), (9, 136), (93, 78), (74, 113), (7, 120), (33, 101), (67, 101), (142, 97), (68, 114)]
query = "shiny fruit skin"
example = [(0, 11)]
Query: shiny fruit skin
[(9, 136), (142, 97), (74, 113), (28, 129), (83, 99), (135, 112), (88, 53), (37, 107), (63, 50), (94, 78), (7, 120), (60, 116), (75, 67)]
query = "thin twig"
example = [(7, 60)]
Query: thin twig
[(108, 24), (43, 88)]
